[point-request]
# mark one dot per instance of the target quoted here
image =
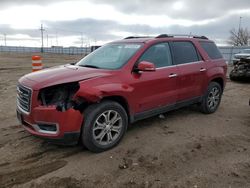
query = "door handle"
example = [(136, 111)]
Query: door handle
[(172, 75), (202, 69)]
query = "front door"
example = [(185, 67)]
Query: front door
[(156, 89)]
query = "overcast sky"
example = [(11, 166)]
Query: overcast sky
[(84, 22)]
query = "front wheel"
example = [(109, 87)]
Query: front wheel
[(211, 100), (233, 76), (104, 125)]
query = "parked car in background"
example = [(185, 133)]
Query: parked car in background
[(242, 55), (120, 83), (241, 70)]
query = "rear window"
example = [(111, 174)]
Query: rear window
[(211, 49), (184, 52)]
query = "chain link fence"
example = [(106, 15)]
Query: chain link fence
[(227, 51), (55, 50)]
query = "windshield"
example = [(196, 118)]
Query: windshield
[(111, 56), (246, 51)]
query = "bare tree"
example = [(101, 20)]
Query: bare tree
[(239, 37)]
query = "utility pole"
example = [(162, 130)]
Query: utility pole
[(81, 39), (42, 30), (56, 38), (238, 38), (5, 39)]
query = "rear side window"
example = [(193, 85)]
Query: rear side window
[(184, 52), (158, 54), (211, 49)]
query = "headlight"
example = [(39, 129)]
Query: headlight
[(59, 94)]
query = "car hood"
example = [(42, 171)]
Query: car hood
[(59, 75)]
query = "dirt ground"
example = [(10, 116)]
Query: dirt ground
[(184, 149)]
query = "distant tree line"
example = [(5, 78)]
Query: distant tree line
[(239, 37)]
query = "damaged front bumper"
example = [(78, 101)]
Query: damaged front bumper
[(241, 70), (49, 123), (52, 125)]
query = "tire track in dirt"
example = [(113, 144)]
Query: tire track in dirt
[(177, 163), (13, 68), (34, 165), (26, 174), (68, 182), (243, 170), (71, 182), (37, 157)]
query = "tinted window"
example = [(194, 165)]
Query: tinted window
[(184, 52), (158, 54), (211, 49)]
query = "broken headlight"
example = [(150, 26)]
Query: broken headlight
[(59, 95)]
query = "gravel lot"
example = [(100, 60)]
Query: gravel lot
[(184, 149)]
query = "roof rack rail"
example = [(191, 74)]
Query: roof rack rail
[(137, 37), (200, 37), (181, 35), (163, 36)]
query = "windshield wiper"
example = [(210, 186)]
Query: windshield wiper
[(90, 66)]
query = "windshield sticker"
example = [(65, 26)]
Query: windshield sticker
[(134, 46)]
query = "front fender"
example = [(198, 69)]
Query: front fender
[(98, 92), (88, 93)]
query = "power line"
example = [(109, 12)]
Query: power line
[(68, 31), (42, 30), (64, 30)]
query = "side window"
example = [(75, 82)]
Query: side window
[(211, 49), (158, 54), (184, 52)]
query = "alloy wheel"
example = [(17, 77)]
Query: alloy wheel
[(107, 127), (213, 98)]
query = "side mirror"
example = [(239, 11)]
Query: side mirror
[(146, 66)]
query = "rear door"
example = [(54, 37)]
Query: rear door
[(191, 68), (156, 89)]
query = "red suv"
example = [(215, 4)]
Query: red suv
[(122, 82)]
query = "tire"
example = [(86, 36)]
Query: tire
[(211, 100), (233, 76), (103, 122)]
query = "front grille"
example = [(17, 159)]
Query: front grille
[(23, 98)]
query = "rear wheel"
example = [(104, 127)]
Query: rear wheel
[(212, 98), (104, 125)]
